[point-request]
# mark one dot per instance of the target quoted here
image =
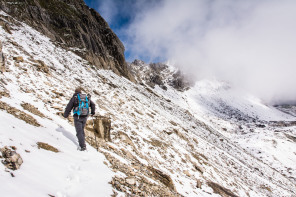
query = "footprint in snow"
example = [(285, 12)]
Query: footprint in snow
[(73, 178)]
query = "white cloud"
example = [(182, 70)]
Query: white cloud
[(248, 43)]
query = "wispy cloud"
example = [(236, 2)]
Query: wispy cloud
[(251, 44)]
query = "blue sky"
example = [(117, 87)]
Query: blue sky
[(120, 14), (116, 17)]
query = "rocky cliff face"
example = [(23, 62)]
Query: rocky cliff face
[(72, 24), (159, 74)]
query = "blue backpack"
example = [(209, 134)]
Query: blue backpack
[(83, 105)]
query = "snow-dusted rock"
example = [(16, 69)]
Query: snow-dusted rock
[(131, 181), (12, 160)]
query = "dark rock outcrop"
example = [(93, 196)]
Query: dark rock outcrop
[(74, 25), (159, 74)]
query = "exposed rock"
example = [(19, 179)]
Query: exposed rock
[(168, 132), (156, 79), (59, 94), (138, 62), (46, 146), (18, 59), (131, 181), (5, 94), (266, 188), (97, 92), (179, 82), (59, 108), (186, 172), (218, 189), (41, 66), (143, 189), (32, 109), (198, 184), (126, 139), (19, 114), (158, 74), (293, 138), (12, 160), (102, 127), (157, 143), (74, 25), (173, 123), (127, 154), (5, 26), (283, 123), (165, 179), (199, 168)]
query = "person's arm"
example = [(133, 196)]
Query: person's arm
[(69, 108), (93, 108), (4, 59)]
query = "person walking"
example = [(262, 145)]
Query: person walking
[(2, 60), (80, 104)]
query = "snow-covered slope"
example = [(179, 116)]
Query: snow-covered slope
[(206, 141), (66, 173)]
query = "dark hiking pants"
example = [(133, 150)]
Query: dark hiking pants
[(79, 126)]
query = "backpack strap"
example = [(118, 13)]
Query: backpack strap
[(86, 102)]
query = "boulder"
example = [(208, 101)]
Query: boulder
[(101, 127), (12, 160), (198, 184), (18, 59)]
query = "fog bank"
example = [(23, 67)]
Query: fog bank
[(249, 44)]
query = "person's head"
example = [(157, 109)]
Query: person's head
[(78, 90)]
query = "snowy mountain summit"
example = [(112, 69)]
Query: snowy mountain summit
[(169, 136)]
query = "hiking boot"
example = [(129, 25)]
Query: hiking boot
[(83, 148)]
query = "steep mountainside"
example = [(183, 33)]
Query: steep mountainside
[(74, 25), (207, 140)]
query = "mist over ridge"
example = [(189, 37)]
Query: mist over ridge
[(249, 44)]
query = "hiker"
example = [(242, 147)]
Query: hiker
[(2, 60), (80, 104)]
